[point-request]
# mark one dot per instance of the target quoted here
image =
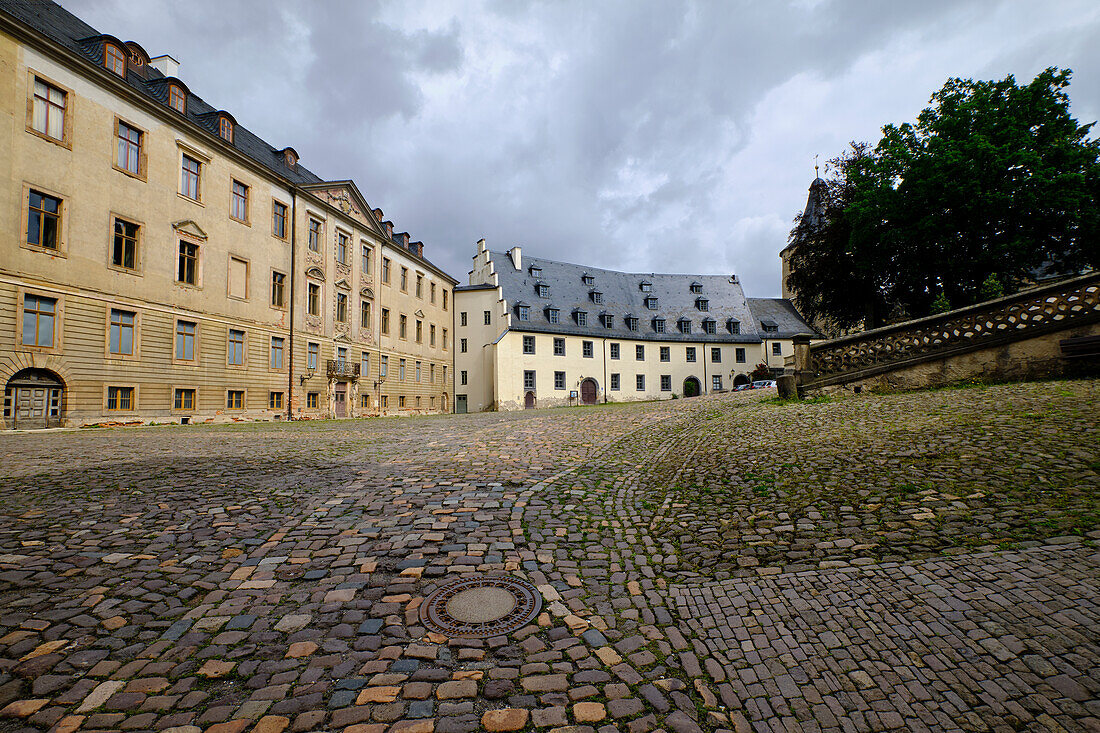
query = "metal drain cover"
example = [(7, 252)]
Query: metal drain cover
[(477, 608)]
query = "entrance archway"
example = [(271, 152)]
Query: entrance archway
[(740, 379), (691, 387), (529, 401), (588, 391), (36, 397)]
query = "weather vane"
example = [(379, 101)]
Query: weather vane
[(816, 171)]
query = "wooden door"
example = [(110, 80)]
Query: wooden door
[(30, 407), (460, 404), (341, 398), (529, 401), (588, 392)]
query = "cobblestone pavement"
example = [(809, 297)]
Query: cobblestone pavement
[(910, 562)]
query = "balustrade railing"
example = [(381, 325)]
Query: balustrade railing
[(341, 368)]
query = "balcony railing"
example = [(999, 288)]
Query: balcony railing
[(341, 368)]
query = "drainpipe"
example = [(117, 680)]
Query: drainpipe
[(605, 369), (293, 277), (703, 387)]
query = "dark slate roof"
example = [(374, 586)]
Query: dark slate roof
[(65, 29), (622, 297), (782, 313)]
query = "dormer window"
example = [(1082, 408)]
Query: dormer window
[(536, 271), (291, 159), (702, 304), (588, 279), (771, 328), (709, 326), (582, 317), (684, 325), (597, 296), (631, 323), (651, 302), (607, 320), (659, 325), (225, 128), (696, 287), (543, 290), (176, 99), (114, 59), (524, 312), (553, 315), (733, 325), (646, 286)]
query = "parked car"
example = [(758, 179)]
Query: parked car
[(763, 383)]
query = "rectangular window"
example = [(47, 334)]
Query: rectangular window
[(184, 399), (120, 398), (234, 399), (312, 400), (404, 279), (528, 344), (684, 326), (38, 320), (403, 326), (420, 286), (341, 308), (122, 332), (582, 318), (524, 312), (739, 355), (278, 289), (777, 349), (432, 294), (384, 366), (709, 327), (559, 380), (385, 321), (586, 349), (125, 250), (235, 348), (401, 370), (277, 344), (444, 338), (419, 331), (462, 318), (716, 382), (614, 351), (341, 248), (639, 352), (431, 373), (488, 318), (659, 325), (734, 326), (689, 354), (462, 377), (43, 220), (666, 353), (615, 382), (238, 278), (190, 174), (431, 335), (401, 401), (342, 356), (185, 340), (129, 149), (639, 382), (385, 401), (462, 345), (559, 347), (666, 382), (238, 204), (313, 299), (715, 355), (278, 226), (553, 315), (314, 235), (529, 379), (632, 323), (444, 299), (275, 401), (313, 352), (386, 270), (364, 313), (188, 269), (48, 115), (418, 372), (368, 256), (364, 364)]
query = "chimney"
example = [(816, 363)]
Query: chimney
[(517, 261), (166, 65)]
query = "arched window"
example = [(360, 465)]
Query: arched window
[(225, 128), (114, 59), (176, 98)]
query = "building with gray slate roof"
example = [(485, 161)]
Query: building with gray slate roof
[(533, 332)]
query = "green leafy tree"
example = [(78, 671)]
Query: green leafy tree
[(992, 183)]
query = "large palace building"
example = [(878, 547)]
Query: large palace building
[(161, 263), (538, 333)]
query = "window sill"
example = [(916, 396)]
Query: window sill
[(140, 176), (126, 270), (196, 202), (188, 286), (62, 143), (53, 252), (244, 222)]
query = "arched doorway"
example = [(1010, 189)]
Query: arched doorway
[(691, 387), (443, 403), (588, 391), (740, 379), (34, 399), (529, 401)]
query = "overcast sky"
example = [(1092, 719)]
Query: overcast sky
[(645, 136)]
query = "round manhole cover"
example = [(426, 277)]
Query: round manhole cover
[(477, 608)]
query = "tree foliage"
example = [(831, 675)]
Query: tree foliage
[(993, 183)]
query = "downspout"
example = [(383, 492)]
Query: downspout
[(706, 355), (604, 370), (293, 277)]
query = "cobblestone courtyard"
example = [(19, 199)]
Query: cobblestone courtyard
[(924, 561)]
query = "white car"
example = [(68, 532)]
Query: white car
[(763, 384)]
